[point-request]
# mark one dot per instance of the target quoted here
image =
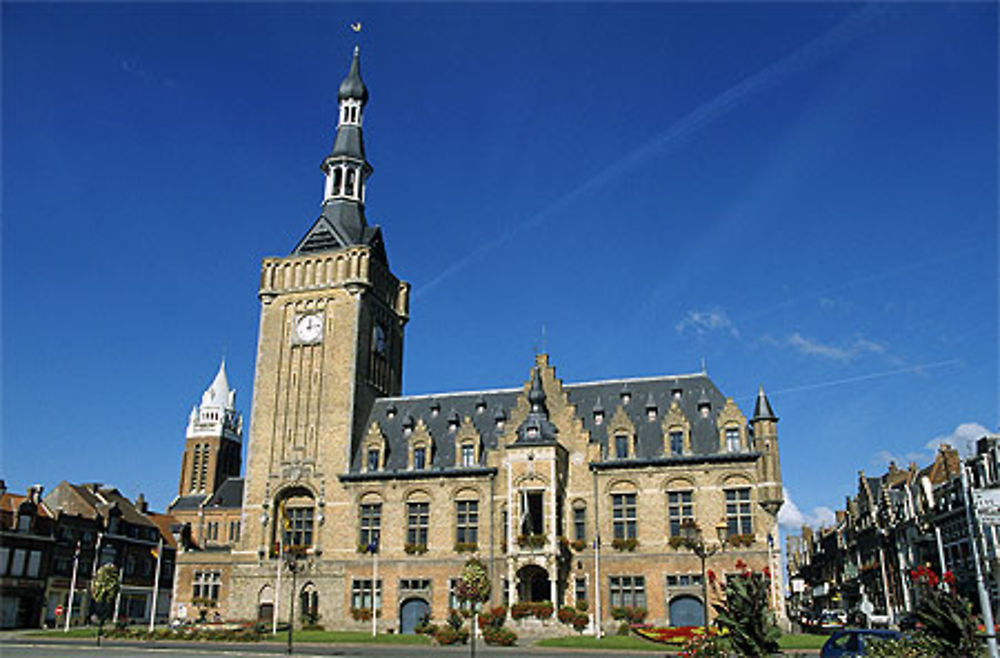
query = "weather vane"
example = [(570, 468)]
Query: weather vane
[(356, 26)]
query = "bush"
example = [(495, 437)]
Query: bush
[(446, 635), (455, 619), (581, 605), (623, 628), (520, 610), (426, 628), (493, 618), (543, 609), (580, 622), (501, 636), (566, 614), (630, 614)]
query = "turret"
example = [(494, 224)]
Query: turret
[(765, 433)]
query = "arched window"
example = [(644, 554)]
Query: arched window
[(295, 520)]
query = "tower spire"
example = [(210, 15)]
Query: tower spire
[(342, 222)]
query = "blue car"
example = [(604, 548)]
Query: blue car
[(855, 642)]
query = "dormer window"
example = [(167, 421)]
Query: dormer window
[(676, 442), (481, 406), (373, 459), (435, 409), (598, 418), (390, 412), (677, 394), (468, 455), (531, 432), (651, 414), (419, 458), (626, 397), (621, 446), (704, 408), (732, 439)]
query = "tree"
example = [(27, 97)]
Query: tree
[(104, 588)]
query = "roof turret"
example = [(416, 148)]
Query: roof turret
[(762, 409), (537, 428)]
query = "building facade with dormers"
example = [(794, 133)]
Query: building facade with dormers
[(566, 491)]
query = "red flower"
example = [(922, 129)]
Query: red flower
[(711, 576), (741, 565), (949, 578)]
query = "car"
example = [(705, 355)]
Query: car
[(855, 642)]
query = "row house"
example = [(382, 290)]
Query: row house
[(26, 540), (898, 521), (96, 525)]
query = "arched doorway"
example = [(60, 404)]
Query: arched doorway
[(265, 604), (309, 604), (412, 613), (686, 610), (533, 584)]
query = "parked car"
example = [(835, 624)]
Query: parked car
[(855, 642), (831, 620)]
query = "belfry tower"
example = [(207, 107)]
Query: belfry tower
[(330, 342), (214, 440)]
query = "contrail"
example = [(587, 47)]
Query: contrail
[(861, 378), (852, 27)]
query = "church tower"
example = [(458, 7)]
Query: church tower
[(330, 343), (214, 440)]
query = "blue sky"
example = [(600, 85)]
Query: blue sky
[(804, 195)]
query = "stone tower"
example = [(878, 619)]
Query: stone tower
[(214, 440), (330, 342)]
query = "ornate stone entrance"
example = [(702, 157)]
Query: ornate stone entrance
[(533, 584)]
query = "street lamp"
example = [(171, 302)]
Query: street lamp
[(693, 541), (294, 564)]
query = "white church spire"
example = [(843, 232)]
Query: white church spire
[(216, 415)]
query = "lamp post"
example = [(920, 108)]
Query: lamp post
[(693, 541), (295, 565)]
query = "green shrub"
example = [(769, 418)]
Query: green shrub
[(503, 637), (949, 623), (580, 621), (493, 617), (624, 628), (542, 609), (566, 614)]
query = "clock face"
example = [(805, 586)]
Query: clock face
[(309, 328)]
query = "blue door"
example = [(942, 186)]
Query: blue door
[(411, 613), (686, 611)]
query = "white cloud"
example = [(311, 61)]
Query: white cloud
[(844, 352), (704, 322), (791, 518), (962, 438)]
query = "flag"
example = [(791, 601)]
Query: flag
[(373, 546), (286, 522), (155, 553)]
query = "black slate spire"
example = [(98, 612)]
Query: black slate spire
[(537, 428), (762, 409), (342, 222), (353, 86)]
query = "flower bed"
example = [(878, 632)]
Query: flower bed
[(503, 637), (672, 634)]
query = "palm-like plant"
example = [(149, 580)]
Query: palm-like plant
[(753, 630)]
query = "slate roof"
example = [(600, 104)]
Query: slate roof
[(229, 494), (606, 395), (189, 502)]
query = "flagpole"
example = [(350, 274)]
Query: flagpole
[(156, 586), (118, 596), (72, 586), (374, 586), (277, 588)]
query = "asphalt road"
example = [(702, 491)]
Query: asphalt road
[(24, 647)]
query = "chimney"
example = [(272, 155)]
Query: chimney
[(141, 504), (35, 494)]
